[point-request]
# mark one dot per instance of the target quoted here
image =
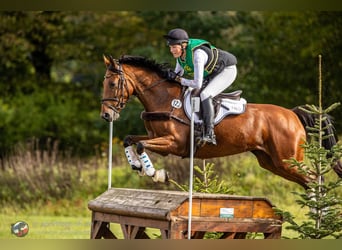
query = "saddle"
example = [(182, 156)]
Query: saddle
[(224, 104)]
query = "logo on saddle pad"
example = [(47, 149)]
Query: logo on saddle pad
[(225, 104)]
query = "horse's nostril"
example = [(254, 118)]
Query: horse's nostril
[(106, 116)]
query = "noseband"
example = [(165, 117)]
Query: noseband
[(118, 90)]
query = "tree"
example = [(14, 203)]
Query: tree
[(57, 55), (279, 51), (324, 217), (325, 206)]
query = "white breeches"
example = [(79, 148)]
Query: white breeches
[(220, 82)]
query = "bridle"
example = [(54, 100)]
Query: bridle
[(118, 89), (121, 92)]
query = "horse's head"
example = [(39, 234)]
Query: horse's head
[(115, 90)]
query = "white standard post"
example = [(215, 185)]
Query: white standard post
[(110, 155), (195, 104)]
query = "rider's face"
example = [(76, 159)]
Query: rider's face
[(176, 50)]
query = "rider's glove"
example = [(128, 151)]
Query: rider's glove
[(172, 76)]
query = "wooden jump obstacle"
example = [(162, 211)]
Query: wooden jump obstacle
[(138, 209)]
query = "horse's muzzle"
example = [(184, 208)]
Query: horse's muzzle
[(106, 116), (110, 116)]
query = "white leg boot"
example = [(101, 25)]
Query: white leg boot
[(132, 158), (147, 164)]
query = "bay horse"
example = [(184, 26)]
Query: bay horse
[(272, 133)]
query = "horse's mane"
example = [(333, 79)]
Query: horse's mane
[(140, 61)]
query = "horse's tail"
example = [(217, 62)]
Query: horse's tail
[(308, 120)]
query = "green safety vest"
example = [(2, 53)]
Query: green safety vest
[(188, 63)]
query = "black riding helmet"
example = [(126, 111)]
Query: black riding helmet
[(176, 36)]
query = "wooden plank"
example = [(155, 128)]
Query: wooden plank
[(262, 210), (242, 208), (178, 230), (121, 219), (95, 228), (160, 204), (211, 207), (153, 223), (138, 203), (230, 225), (106, 217)]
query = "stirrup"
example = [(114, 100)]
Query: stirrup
[(209, 139)]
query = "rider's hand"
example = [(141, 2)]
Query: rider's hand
[(172, 76)]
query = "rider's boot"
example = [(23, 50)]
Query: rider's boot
[(208, 119)]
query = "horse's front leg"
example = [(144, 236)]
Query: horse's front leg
[(141, 161), (161, 145), (132, 157)]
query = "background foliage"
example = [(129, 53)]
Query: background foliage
[(51, 66), (53, 141)]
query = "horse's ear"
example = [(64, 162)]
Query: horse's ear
[(107, 60)]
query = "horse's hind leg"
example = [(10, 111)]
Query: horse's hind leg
[(281, 168)]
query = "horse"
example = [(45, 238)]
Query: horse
[(272, 133)]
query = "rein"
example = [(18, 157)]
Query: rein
[(121, 101), (152, 85), (122, 86)]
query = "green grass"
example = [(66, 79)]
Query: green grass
[(47, 227), (72, 227), (70, 218)]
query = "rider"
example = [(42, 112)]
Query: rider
[(204, 67)]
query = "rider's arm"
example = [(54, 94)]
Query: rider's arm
[(200, 59), (179, 70)]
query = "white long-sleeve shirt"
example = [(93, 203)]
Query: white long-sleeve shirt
[(200, 59)]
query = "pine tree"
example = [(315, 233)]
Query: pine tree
[(206, 181), (324, 218)]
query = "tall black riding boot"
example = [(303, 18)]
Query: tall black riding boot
[(208, 119)]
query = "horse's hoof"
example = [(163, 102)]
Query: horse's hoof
[(141, 172), (160, 176), (134, 167)]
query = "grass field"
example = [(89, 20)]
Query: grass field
[(70, 218), (63, 227)]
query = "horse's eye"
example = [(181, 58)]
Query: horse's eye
[(112, 85)]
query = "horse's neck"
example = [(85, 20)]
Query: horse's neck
[(156, 93)]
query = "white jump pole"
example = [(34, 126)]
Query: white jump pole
[(195, 104), (110, 155)]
